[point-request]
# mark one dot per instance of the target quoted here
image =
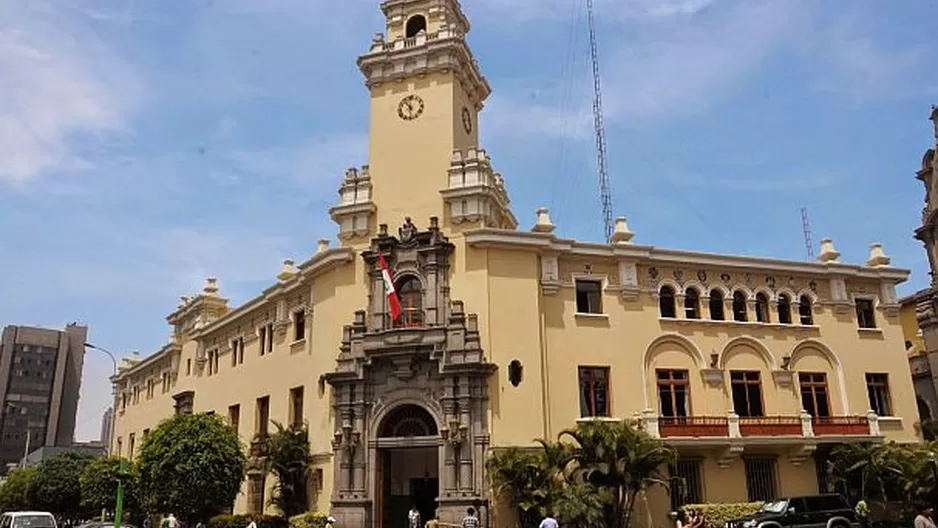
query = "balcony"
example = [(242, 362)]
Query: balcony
[(770, 426), (694, 426), (410, 318), (731, 426), (841, 425)]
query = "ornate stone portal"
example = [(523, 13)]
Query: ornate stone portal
[(418, 384)]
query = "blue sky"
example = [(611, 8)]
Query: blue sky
[(147, 145)]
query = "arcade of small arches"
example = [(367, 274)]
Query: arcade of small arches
[(670, 353), (787, 304)]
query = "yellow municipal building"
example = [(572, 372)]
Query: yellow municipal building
[(750, 367)]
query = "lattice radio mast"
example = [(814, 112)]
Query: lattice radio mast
[(806, 227), (600, 128)]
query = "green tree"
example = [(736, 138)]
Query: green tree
[(620, 460), (99, 485), (15, 490), (288, 460), (528, 479), (56, 487), (191, 465)]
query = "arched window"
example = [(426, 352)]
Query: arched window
[(410, 294), (762, 308), (691, 304), (666, 302), (739, 306), (408, 420), (415, 24), (716, 305), (784, 309), (804, 311)]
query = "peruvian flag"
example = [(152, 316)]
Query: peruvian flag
[(393, 302)]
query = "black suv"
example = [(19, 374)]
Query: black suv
[(810, 511)]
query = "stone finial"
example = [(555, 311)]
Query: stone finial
[(288, 270), (323, 245), (184, 300), (878, 258), (211, 287), (543, 225), (622, 233), (828, 252)]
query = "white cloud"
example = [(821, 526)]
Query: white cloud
[(318, 164), (60, 84)]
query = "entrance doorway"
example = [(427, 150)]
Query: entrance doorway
[(409, 477)]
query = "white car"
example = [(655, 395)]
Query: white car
[(27, 519)]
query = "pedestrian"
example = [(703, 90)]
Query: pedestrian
[(413, 517), (863, 513), (172, 522), (549, 522), (252, 524), (471, 521), (924, 517)]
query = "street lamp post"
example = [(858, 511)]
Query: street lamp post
[(119, 501)]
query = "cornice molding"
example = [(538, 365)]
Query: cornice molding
[(540, 242)]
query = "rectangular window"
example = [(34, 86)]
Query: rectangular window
[(877, 387), (237, 351), (189, 367), (760, 479), (131, 444), (266, 334), (120, 446), (747, 393), (296, 407), (299, 325), (589, 296), (814, 397), (234, 416), (686, 484), (256, 494), (146, 433), (866, 318), (673, 393), (594, 392), (262, 416)]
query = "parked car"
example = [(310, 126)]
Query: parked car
[(27, 519), (808, 511)]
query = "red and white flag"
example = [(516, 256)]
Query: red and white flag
[(394, 304)]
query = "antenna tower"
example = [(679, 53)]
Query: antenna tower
[(600, 128), (806, 227)]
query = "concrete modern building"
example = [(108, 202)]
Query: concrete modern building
[(750, 367), (920, 310), (40, 378), (107, 420)]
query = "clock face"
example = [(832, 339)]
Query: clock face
[(466, 120), (410, 107)]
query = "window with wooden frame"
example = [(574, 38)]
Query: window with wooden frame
[(673, 393), (866, 315), (806, 311), (877, 388), (717, 313), (666, 305), (594, 392), (234, 417), (691, 304), (256, 494), (784, 309), (815, 399), (739, 307), (266, 337), (296, 407), (747, 393), (299, 325), (589, 298), (262, 416), (237, 351), (762, 308), (761, 479)]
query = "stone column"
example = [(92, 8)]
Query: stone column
[(465, 421)]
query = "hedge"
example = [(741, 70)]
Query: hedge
[(717, 514), (308, 520), (241, 521)]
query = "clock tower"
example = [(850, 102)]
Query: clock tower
[(426, 92)]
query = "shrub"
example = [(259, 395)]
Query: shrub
[(718, 514), (242, 520), (308, 520)]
